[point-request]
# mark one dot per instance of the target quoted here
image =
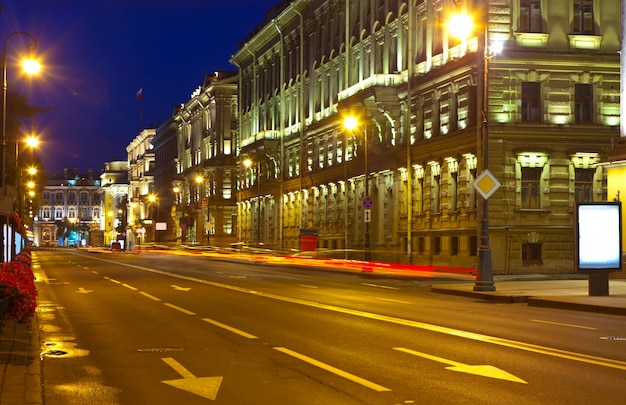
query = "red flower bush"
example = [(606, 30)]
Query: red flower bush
[(17, 282)]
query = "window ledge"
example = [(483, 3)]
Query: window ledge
[(532, 39), (582, 41), (529, 210)]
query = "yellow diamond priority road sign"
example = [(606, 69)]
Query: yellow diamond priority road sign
[(486, 184)]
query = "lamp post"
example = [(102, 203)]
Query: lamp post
[(32, 142), (183, 226), (152, 199), (204, 200), (248, 163), (351, 123), (461, 26), (31, 67), (484, 278)]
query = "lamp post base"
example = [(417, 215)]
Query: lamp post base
[(484, 279)]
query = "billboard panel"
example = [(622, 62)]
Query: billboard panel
[(598, 238)]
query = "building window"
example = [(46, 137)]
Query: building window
[(531, 254), (531, 177), (583, 100), (454, 246), (473, 245), (436, 245), (583, 17), (583, 185), (435, 194), (531, 102), (420, 245), (530, 16)]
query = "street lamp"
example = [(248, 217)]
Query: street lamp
[(183, 226), (205, 200), (32, 142), (248, 163), (463, 27), (351, 123), (31, 67)]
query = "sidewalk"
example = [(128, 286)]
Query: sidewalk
[(564, 291), (20, 362)]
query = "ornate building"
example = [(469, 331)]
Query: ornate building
[(141, 204), (114, 199), (197, 167), (70, 209), (433, 109)]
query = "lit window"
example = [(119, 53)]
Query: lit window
[(531, 177), (530, 16), (583, 185), (531, 102), (583, 17), (583, 100)]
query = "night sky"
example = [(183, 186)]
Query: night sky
[(98, 53)]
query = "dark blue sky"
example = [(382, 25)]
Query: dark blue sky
[(98, 53)]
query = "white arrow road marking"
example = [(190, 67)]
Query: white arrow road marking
[(177, 288), (485, 371), (205, 387), (81, 290)]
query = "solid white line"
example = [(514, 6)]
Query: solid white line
[(564, 324), (380, 286), (183, 310), (230, 328), (333, 370), (397, 301)]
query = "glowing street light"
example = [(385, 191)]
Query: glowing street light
[(484, 278), (30, 66), (248, 164), (351, 123)]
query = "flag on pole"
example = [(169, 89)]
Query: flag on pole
[(139, 94)]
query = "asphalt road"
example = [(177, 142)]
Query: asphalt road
[(169, 329)]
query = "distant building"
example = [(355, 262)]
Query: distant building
[(141, 188), (70, 209), (114, 199), (196, 172)]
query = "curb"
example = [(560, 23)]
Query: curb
[(493, 297), (563, 303), (34, 392)]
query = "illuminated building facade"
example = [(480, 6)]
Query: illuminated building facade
[(140, 186), (70, 209), (552, 105), (114, 198), (197, 167)]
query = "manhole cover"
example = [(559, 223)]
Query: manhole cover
[(613, 338), (159, 349)]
